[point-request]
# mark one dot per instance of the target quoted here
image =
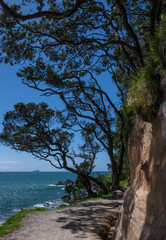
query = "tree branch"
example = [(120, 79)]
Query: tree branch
[(48, 14), (130, 31)]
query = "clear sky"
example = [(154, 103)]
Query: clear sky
[(13, 91)]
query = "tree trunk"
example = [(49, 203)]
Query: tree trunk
[(88, 178), (115, 172), (117, 167), (88, 186), (115, 181), (99, 183)]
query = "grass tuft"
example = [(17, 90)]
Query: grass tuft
[(62, 207)]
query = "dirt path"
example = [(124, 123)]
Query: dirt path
[(80, 222)]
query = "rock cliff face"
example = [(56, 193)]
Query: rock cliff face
[(143, 215)]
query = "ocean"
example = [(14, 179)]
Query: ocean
[(22, 190)]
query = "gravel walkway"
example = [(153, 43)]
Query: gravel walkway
[(82, 221)]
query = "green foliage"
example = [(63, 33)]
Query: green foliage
[(14, 221), (123, 182), (127, 114), (85, 167), (99, 196), (125, 168), (79, 193), (81, 190), (29, 128), (75, 193), (158, 48), (106, 179), (145, 92)]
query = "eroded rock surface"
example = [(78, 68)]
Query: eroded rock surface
[(143, 215)]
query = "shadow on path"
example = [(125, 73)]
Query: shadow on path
[(87, 217)]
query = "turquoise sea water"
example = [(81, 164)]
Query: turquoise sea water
[(30, 189)]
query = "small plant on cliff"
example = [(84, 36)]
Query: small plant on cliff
[(145, 92)]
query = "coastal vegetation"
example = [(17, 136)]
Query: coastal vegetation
[(77, 193), (66, 49)]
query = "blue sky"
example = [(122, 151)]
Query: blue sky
[(12, 92)]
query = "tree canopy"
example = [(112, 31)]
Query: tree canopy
[(66, 46)]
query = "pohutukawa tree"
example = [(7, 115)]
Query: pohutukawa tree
[(30, 128), (66, 45)]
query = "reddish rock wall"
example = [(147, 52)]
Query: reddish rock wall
[(143, 215)]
